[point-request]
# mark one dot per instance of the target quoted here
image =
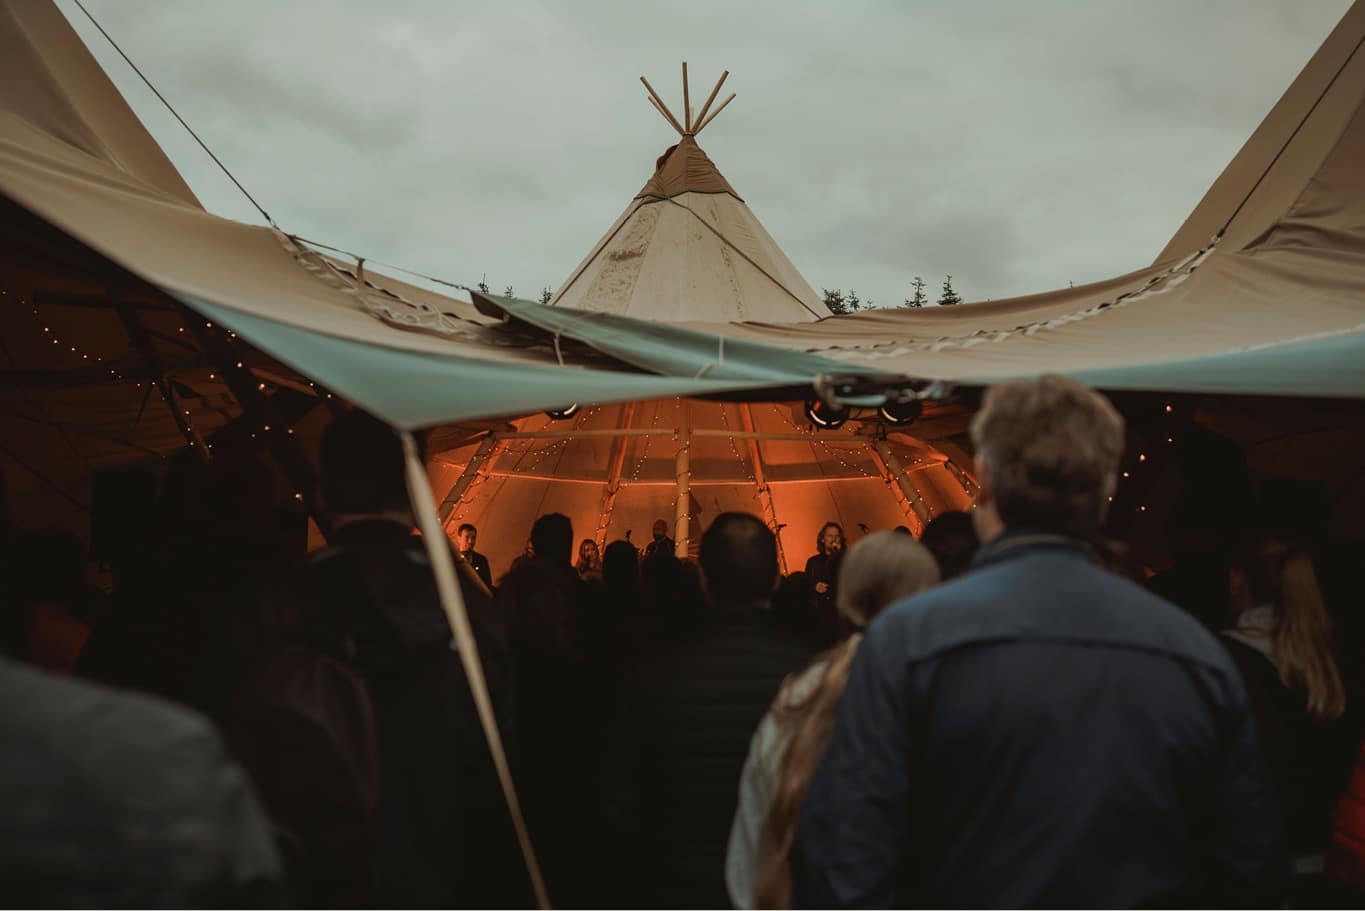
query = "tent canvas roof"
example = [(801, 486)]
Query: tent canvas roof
[(1276, 305)]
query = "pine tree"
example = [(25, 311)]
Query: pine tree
[(854, 304), (917, 298), (949, 297), (483, 284), (834, 300), (546, 295), (508, 292)]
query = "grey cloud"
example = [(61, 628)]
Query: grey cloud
[(1017, 145)]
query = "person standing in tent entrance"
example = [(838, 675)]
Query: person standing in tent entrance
[(465, 539), (662, 545), (1038, 731), (823, 571)]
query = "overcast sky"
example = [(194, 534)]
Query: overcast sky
[(1017, 144)]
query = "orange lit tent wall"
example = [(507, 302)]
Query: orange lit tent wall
[(615, 469)]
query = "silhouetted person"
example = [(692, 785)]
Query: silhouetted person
[(1040, 731), (465, 539), (1197, 581), (441, 834), (878, 571), (48, 582), (114, 799), (1281, 641), (636, 622), (691, 709), (951, 538), (542, 599), (182, 619)]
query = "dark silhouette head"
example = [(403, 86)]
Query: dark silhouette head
[(951, 538), (48, 565), (620, 565), (739, 559), (361, 466), (552, 538)]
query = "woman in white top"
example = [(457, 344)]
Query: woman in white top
[(879, 570)]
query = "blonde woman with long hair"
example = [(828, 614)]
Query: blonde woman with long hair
[(879, 570), (1282, 643)]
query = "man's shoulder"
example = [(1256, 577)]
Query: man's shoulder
[(1059, 600), (157, 759)]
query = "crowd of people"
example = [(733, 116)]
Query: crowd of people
[(1005, 711)]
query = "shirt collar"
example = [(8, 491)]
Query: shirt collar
[(1017, 542)]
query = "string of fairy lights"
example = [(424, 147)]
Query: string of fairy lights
[(644, 450), (79, 354), (185, 417), (744, 466), (1129, 471), (71, 347)]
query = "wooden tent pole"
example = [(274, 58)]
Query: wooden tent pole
[(462, 632), (683, 473), (665, 115), (489, 449), (890, 468), (614, 467), (687, 101), (765, 493), (714, 113), (663, 108), (701, 115), (142, 340)]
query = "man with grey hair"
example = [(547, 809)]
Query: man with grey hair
[(1039, 731)]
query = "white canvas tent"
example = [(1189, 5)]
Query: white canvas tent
[(104, 249), (687, 245), (1260, 293)]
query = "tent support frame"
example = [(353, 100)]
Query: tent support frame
[(894, 475), (683, 473), (489, 449), (615, 466), (279, 439), (142, 340), (765, 493)]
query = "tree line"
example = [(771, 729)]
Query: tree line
[(836, 300), (839, 302)]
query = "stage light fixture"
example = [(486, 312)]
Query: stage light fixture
[(900, 414), (824, 415), (563, 414)]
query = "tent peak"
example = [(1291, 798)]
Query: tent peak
[(690, 125)]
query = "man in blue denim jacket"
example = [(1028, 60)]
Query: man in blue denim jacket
[(1039, 731)]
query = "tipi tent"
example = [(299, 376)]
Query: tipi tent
[(688, 247), (95, 218)]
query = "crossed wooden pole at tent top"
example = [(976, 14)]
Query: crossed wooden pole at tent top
[(690, 125)]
